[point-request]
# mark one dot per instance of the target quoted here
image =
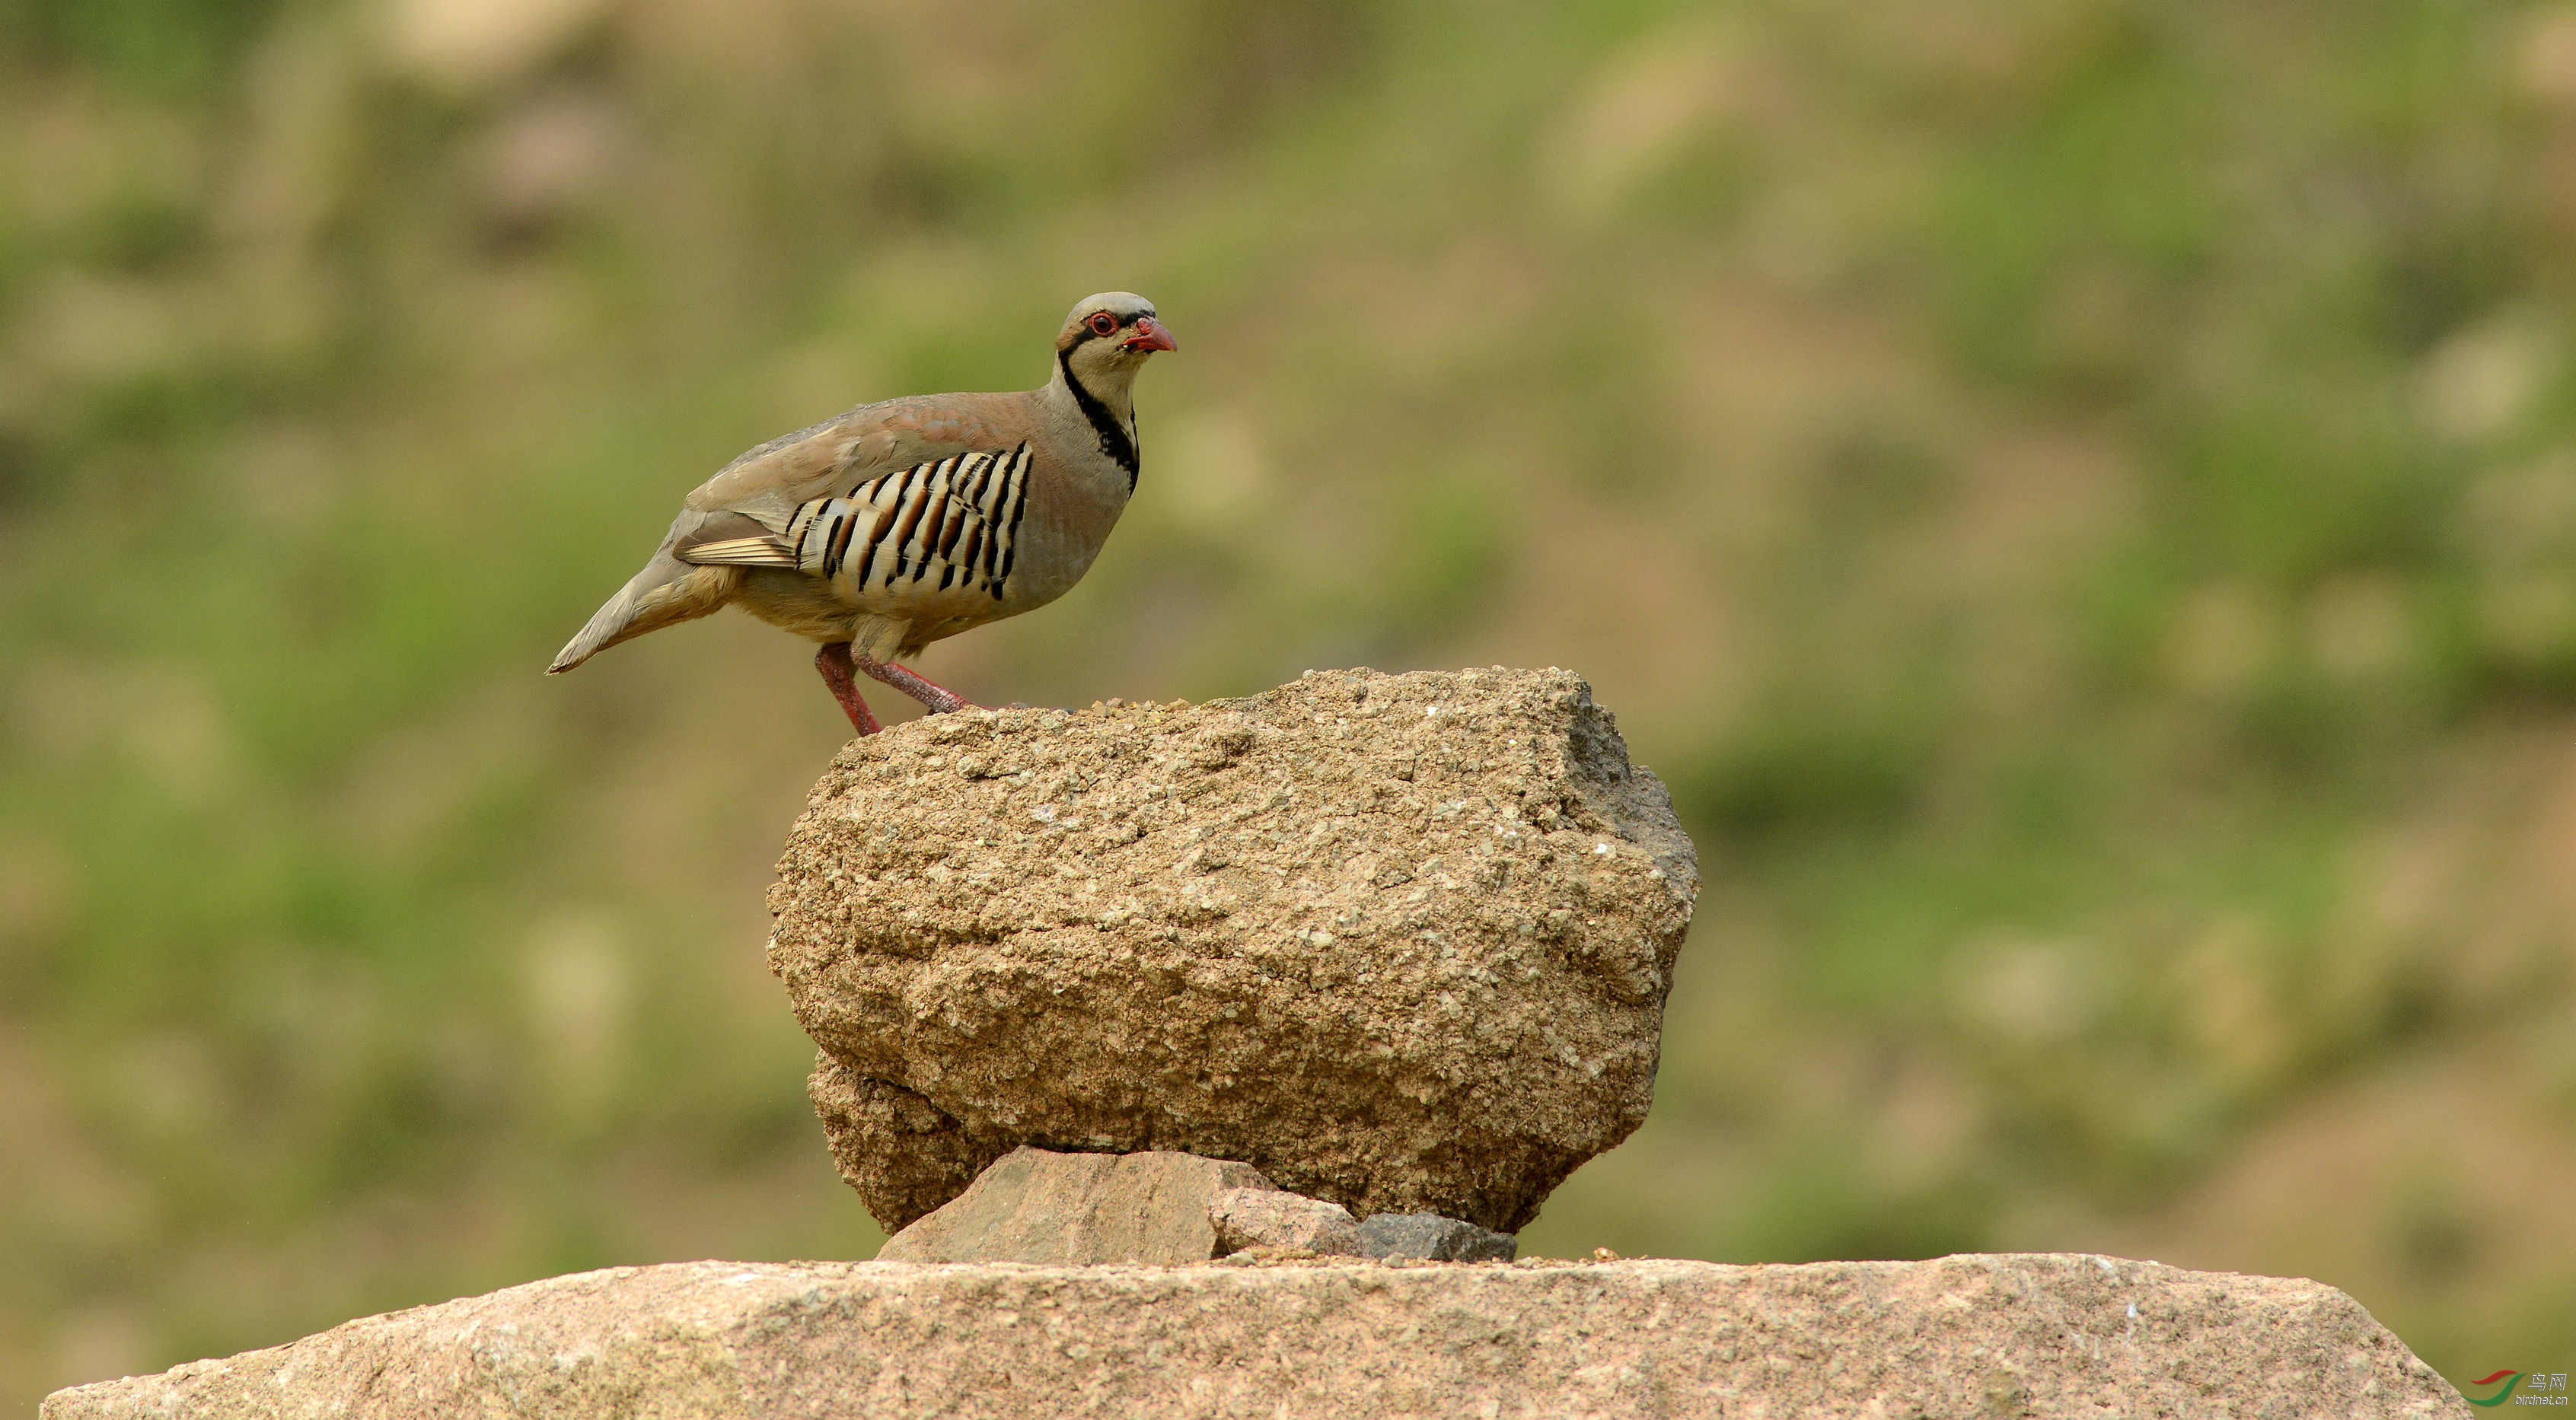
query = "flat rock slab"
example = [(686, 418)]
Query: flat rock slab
[(2035, 1335), (1399, 941)]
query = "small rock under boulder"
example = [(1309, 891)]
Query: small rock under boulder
[(1274, 1218), (1399, 941), (1434, 1239), (1065, 1210), (1070, 1209)]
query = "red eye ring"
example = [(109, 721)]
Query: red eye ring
[(1103, 323)]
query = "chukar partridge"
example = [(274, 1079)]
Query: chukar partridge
[(900, 523)]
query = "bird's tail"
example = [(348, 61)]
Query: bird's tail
[(666, 591)]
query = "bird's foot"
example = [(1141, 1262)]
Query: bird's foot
[(939, 698), (834, 661)]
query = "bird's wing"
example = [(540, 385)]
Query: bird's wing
[(841, 454), (944, 524)]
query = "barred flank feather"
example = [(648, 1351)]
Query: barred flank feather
[(741, 552), (931, 527)]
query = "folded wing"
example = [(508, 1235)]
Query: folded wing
[(942, 527)]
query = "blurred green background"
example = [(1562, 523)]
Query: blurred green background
[(2078, 498)]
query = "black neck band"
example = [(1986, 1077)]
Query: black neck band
[(1115, 441)]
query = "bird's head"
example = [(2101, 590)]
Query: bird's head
[(1106, 339)]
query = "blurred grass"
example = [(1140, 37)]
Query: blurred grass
[(2077, 499)]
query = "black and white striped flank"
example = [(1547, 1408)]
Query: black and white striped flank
[(953, 523)]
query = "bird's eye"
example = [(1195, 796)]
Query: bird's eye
[(1103, 323)]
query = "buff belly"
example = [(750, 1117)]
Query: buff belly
[(812, 608)]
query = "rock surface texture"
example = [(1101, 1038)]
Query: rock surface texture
[(1399, 941), (1960, 1337)]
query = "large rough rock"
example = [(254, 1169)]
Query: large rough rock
[(1963, 1337), (1400, 941), (1069, 1209)]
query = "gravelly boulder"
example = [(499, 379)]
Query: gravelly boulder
[(1400, 941), (1434, 1238), (1961, 1337), (1270, 1217), (1065, 1209)]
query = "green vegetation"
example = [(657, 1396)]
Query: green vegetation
[(2078, 498)]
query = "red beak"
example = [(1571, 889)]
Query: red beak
[(1149, 336)]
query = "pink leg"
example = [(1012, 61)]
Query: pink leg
[(939, 698), (834, 662)]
